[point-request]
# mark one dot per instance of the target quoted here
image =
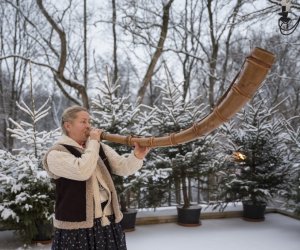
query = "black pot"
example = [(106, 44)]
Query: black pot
[(254, 212), (44, 233), (128, 221), (189, 217)]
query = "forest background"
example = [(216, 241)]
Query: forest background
[(140, 53)]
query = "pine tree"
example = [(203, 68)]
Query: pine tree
[(189, 160), (27, 195), (294, 156), (256, 167), (115, 114)]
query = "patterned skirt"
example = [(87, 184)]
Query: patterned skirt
[(109, 237)]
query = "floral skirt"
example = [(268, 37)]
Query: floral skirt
[(109, 237)]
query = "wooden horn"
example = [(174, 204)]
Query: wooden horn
[(242, 89)]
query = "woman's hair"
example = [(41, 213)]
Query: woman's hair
[(70, 114)]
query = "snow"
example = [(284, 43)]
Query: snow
[(277, 232), (6, 213)]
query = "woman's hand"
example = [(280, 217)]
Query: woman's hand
[(95, 134), (140, 152)]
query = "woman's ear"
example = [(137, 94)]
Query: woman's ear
[(67, 126)]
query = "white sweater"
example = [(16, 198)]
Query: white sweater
[(63, 164)]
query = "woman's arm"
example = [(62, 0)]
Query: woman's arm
[(66, 165), (122, 165)]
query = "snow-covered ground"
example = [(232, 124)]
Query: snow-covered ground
[(277, 232)]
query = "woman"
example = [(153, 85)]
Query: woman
[(87, 213)]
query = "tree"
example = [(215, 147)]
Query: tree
[(116, 115), (115, 58), (257, 168), (59, 72), (12, 76), (27, 194), (186, 36), (136, 22), (187, 160), (55, 44), (217, 34), (294, 156)]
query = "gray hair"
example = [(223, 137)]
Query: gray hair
[(70, 114)]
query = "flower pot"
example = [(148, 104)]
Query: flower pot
[(189, 217), (128, 221), (44, 233), (254, 212)]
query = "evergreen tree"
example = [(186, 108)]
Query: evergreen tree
[(115, 114), (294, 156), (26, 194), (187, 161), (256, 167)]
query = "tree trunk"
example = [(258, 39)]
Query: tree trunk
[(59, 73), (115, 59), (183, 177), (198, 189), (85, 56), (177, 189), (227, 44), (159, 49), (2, 89), (190, 189), (169, 192)]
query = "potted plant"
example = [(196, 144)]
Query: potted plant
[(27, 195), (125, 187), (257, 168), (115, 114), (196, 166), (154, 187), (173, 115), (188, 214), (293, 135)]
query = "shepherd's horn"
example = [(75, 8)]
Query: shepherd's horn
[(253, 72)]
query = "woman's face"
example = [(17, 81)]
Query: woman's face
[(79, 128)]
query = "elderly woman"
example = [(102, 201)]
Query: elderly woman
[(87, 213)]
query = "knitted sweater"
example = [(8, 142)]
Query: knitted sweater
[(59, 162)]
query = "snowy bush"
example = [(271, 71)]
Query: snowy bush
[(154, 182), (188, 161), (256, 167), (26, 193), (293, 134), (115, 114)]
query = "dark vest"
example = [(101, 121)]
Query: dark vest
[(71, 194)]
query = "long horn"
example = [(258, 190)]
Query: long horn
[(242, 89)]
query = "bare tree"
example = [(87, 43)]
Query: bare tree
[(159, 50), (186, 37), (283, 83), (216, 35), (12, 75), (144, 28), (48, 43), (194, 31), (59, 72), (85, 56), (115, 58)]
